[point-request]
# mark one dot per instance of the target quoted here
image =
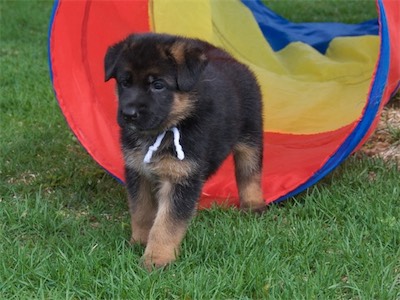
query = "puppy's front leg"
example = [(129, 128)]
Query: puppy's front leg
[(142, 206), (176, 206)]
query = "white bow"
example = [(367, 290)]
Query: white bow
[(153, 148)]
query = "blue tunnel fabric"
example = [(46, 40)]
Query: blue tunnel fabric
[(370, 112), (280, 32)]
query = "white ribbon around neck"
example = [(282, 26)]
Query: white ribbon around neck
[(153, 148)]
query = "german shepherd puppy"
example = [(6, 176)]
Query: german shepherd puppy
[(184, 105)]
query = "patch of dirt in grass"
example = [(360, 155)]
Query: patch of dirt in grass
[(25, 178), (385, 141)]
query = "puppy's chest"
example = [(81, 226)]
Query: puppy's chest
[(163, 162)]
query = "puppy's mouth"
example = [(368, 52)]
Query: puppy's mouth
[(152, 127), (144, 131)]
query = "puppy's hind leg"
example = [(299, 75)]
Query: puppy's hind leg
[(248, 165)]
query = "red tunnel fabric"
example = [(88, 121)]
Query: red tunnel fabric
[(81, 31)]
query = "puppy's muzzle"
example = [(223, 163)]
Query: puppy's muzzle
[(130, 115), (133, 113)]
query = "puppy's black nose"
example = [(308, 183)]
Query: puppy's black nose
[(130, 115)]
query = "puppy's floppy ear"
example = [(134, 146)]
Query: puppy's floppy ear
[(111, 59), (191, 60)]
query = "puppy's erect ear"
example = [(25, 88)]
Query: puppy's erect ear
[(191, 60), (111, 59)]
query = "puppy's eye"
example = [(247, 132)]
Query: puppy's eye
[(125, 80), (125, 83), (157, 85)]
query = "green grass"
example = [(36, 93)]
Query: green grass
[(64, 224), (341, 239), (347, 11)]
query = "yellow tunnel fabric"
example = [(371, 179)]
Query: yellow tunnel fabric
[(304, 91)]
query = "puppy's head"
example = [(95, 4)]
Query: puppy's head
[(155, 76)]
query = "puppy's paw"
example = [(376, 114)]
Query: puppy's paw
[(258, 209), (151, 262), (139, 239)]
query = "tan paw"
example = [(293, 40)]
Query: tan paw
[(151, 262), (258, 208), (140, 238)]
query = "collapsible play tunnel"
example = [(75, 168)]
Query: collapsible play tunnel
[(324, 84)]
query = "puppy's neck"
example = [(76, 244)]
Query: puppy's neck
[(153, 148)]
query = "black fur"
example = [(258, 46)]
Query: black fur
[(222, 104)]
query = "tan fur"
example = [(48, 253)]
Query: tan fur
[(178, 52), (250, 193), (173, 169), (181, 109), (166, 234), (144, 213), (246, 158), (163, 166), (248, 177)]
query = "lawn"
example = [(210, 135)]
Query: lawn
[(64, 226)]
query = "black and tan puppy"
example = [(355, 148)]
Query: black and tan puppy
[(184, 105)]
